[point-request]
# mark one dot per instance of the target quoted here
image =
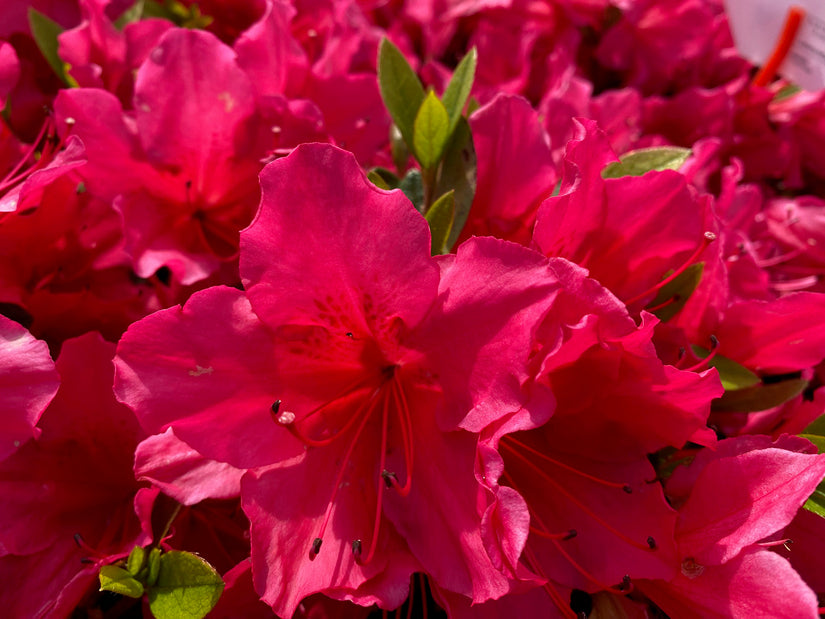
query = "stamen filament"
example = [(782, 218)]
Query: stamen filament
[(379, 507), (403, 411), (364, 412), (704, 363), (588, 575), (576, 502), (707, 239), (293, 427), (610, 484)]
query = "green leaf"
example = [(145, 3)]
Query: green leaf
[(45, 33), (430, 131), (387, 179), (129, 16), (679, 289), (400, 87), (733, 375), (136, 560), (154, 567), (413, 187), (817, 426), (816, 502), (187, 587), (455, 96), (458, 173), (116, 579), (399, 150), (788, 90), (441, 217), (759, 397), (638, 162)]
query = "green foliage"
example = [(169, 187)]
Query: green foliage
[(679, 290), (638, 162), (815, 433), (759, 397), (441, 218), (118, 580), (179, 585), (458, 90), (170, 10), (458, 173), (733, 375), (45, 33), (430, 131), (434, 131), (187, 587), (400, 88)]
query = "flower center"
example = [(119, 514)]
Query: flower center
[(368, 397)]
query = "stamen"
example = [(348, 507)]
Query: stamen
[(389, 478), (379, 506), (356, 550), (651, 542), (548, 587), (19, 172), (405, 418), (610, 484), (293, 427), (794, 285), (593, 579), (565, 536), (707, 239), (575, 501), (316, 548), (705, 363), (364, 413)]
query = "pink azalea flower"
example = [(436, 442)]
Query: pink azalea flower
[(729, 500), (182, 173), (374, 355), (596, 515), (68, 494), (28, 382), (597, 224)]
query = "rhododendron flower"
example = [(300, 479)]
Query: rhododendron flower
[(344, 373), (598, 224), (68, 495), (182, 172), (730, 500)]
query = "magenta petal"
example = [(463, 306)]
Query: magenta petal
[(28, 382), (742, 499), (338, 247), (515, 170), (785, 335), (286, 505), (206, 370), (186, 117), (183, 473), (480, 333), (757, 583)]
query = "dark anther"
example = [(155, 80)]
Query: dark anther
[(78, 539), (87, 561), (682, 352), (714, 341), (627, 489), (388, 477), (652, 543), (276, 405), (570, 535), (356, 548), (349, 334), (625, 586), (316, 548)]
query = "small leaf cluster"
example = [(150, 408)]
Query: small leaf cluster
[(436, 134), (178, 585)]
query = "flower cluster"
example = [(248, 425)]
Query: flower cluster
[(285, 334)]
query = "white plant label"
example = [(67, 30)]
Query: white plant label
[(757, 26)]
